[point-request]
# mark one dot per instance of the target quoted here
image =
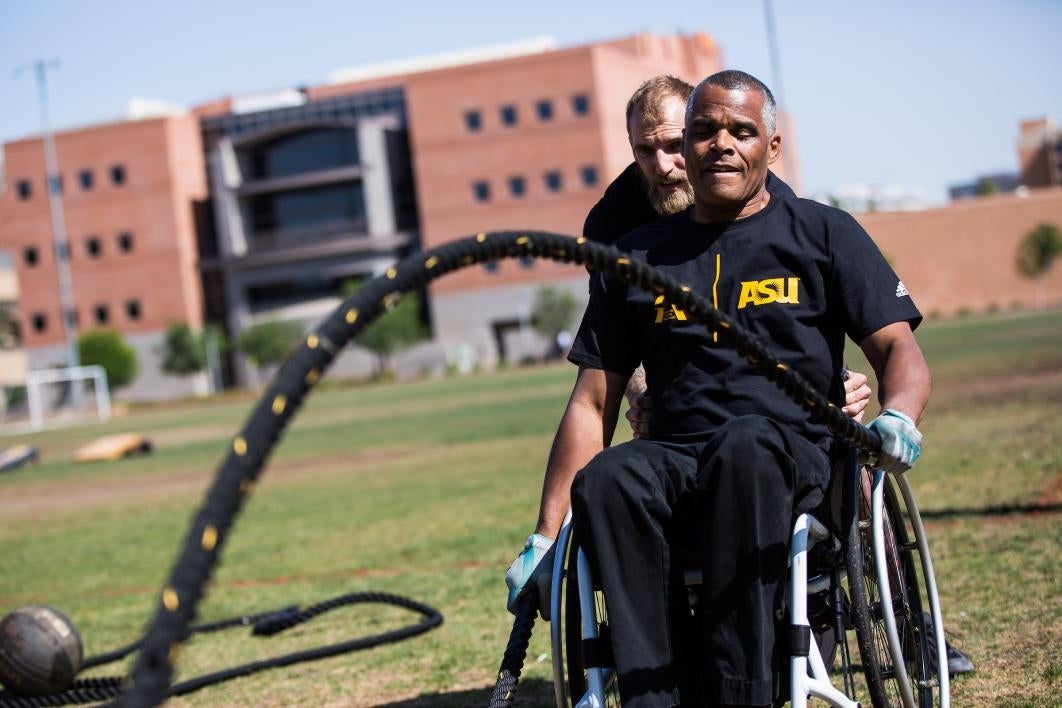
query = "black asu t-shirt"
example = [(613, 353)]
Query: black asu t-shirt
[(798, 274)]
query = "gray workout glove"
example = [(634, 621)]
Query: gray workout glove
[(901, 443), (532, 569)]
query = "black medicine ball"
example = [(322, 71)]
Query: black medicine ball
[(40, 651)]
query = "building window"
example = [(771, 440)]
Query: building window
[(544, 109), (39, 321), (117, 175), (580, 104), (589, 175), (517, 186), (102, 314), (508, 115), (473, 121), (132, 309), (93, 247), (306, 214), (481, 191), (301, 152), (125, 242), (31, 256), (24, 188), (553, 181), (85, 178), (55, 184)]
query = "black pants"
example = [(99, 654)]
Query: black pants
[(735, 497)]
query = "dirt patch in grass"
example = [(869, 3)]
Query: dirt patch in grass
[(95, 493)]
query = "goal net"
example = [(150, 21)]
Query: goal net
[(59, 397)]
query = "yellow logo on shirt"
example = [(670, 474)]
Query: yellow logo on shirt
[(764, 292), (667, 312)]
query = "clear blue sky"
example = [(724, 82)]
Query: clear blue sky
[(900, 92)]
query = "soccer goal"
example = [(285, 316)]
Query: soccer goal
[(66, 396)]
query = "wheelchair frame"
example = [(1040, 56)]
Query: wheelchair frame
[(875, 622)]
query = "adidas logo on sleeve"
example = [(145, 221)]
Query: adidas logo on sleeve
[(901, 291)]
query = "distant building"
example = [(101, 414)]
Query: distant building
[(1040, 153), (986, 185), (12, 355), (130, 191)]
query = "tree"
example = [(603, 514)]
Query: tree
[(106, 348), (1037, 253), (393, 331), (553, 312), (183, 353), (269, 343)]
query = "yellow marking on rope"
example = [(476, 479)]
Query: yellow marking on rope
[(279, 404), (210, 537), (312, 341), (170, 599), (782, 367), (581, 240), (752, 360), (481, 237), (523, 240), (352, 315), (312, 375), (623, 261), (391, 273), (724, 325), (467, 260), (431, 262), (684, 288), (239, 446)]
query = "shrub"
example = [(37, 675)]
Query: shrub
[(106, 348)]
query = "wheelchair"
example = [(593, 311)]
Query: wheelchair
[(865, 570)]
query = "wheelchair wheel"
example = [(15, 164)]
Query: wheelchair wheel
[(574, 655), (867, 606)]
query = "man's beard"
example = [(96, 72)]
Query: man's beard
[(672, 202)]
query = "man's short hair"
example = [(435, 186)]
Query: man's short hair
[(647, 99), (733, 80)]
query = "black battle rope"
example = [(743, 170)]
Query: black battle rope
[(513, 660), (264, 624), (242, 465)]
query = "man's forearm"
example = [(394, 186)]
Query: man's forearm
[(903, 377), (581, 435), (585, 430)]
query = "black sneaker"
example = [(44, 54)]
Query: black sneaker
[(958, 663)]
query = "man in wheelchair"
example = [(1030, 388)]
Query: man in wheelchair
[(730, 461)]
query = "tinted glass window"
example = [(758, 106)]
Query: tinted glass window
[(132, 309), (517, 186), (316, 211), (125, 242), (24, 189), (93, 247), (544, 109), (31, 256), (473, 121), (553, 181), (307, 151), (85, 178), (589, 174), (581, 104), (102, 314), (508, 115), (39, 321), (118, 174), (481, 191)]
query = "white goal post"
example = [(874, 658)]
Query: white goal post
[(41, 408)]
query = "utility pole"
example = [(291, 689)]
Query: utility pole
[(55, 206), (772, 48)]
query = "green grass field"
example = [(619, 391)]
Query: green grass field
[(428, 489)]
